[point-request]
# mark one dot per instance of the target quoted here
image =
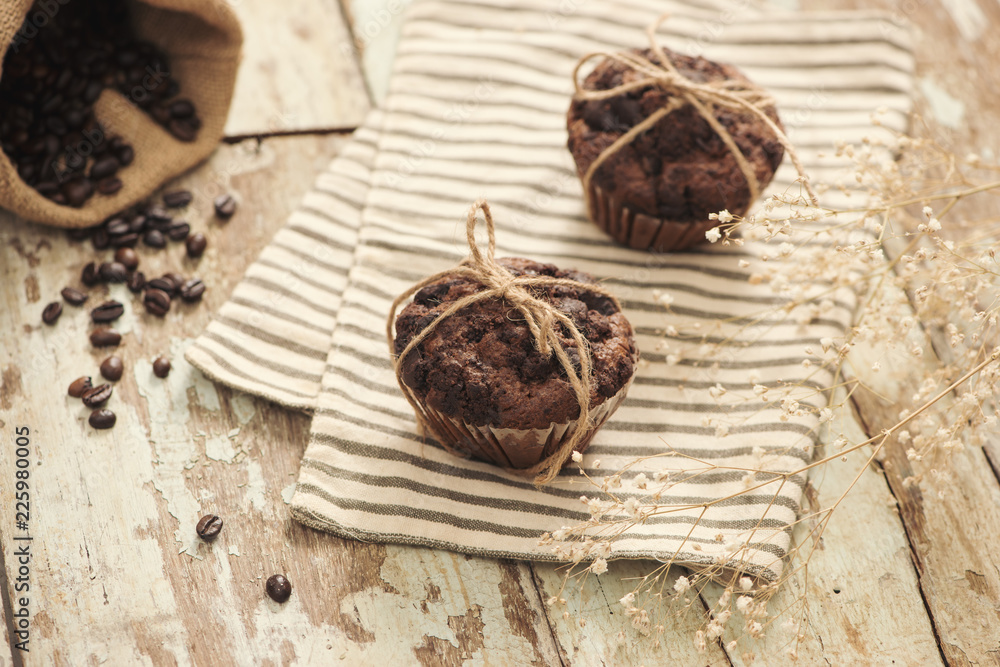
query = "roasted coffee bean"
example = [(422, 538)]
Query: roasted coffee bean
[(79, 386), (112, 368), (181, 109), (77, 191), (107, 312), (101, 239), (80, 233), (164, 284), (278, 588), (136, 282), (178, 231), (176, 278), (90, 275), (110, 186), (102, 419), (183, 129), (157, 302), (97, 396), (105, 338), (52, 312), (103, 168), (117, 226), (177, 198), (73, 297), (209, 527), (196, 244), (125, 240), (114, 272), (158, 214), (137, 224), (161, 367), (225, 206), (125, 155), (192, 290), (127, 258), (154, 239)]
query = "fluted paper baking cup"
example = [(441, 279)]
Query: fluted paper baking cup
[(640, 231), (518, 448)]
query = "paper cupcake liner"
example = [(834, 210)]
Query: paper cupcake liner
[(518, 448), (640, 231)]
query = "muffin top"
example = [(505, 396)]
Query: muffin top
[(480, 365), (679, 169)]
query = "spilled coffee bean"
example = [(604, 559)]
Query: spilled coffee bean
[(52, 312), (196, 245), (114, 272), (157, 302), (161, 367), (112, 368), (209, 527), (97, 396), (127, 258), (73, 297), (105, 338), (90, 275), (225, 206), (102, 419), (192, 290), (79, 386), (177, 198), (136, 282), (278, 588), (107, 312)]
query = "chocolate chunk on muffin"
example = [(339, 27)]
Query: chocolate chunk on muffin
[(657, 191), (483, 382)]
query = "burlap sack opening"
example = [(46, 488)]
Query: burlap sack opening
[(202, 40)]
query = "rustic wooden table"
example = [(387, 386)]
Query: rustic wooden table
[(117, 575)]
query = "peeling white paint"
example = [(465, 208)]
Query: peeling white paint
[(219, 448), (256, 489), (234, 550), (287, 493), (167, 404), (947, 110), (244, 407)]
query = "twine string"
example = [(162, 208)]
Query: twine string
[(541, 318), (703, 97)]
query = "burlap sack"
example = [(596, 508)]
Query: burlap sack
[(202, 40)]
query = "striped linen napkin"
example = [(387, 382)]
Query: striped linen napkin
[(476, 108)]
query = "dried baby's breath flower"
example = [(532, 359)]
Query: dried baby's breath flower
[(899, 255), (599, 566)]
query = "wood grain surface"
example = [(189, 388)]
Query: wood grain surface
[(119, 576)]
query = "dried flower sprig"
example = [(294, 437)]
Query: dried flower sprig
[(923, 266)]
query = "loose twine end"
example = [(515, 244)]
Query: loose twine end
[(541, 317), (703, 97)]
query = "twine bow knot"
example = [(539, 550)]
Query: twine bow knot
[(703, 97), (540, 316)]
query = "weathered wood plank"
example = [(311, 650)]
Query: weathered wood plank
[(950, 522), (119, 573), (299, 70), (591, 627), (858, 603)]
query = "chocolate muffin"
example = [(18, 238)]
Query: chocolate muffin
[(485, 386), (657, 191)]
